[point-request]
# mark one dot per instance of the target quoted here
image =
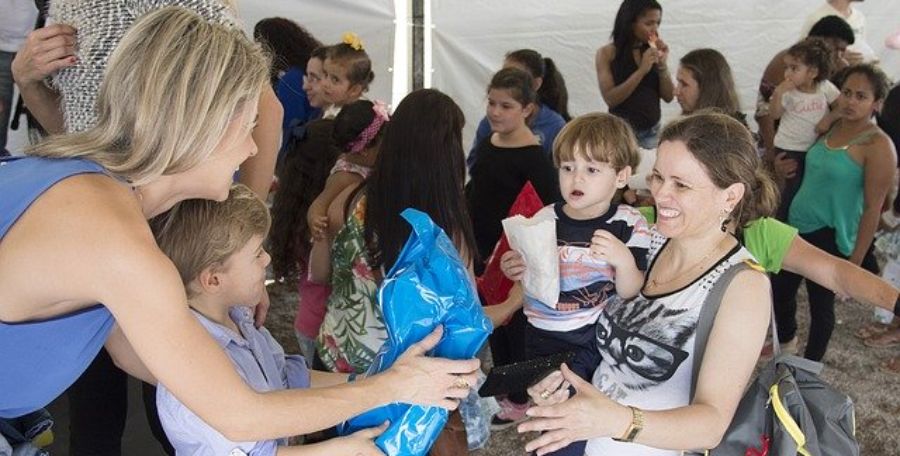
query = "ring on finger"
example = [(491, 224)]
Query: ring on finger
[(461, 383), (546, 394)]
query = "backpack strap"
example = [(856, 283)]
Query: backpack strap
[(708, 316)]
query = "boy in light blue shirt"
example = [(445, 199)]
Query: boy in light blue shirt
[(217, 248)]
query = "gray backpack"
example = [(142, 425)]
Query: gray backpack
[(788, 410)]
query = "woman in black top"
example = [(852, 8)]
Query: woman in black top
[(632, 70)]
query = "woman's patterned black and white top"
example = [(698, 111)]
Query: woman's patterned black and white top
[(646, 347), (101, 24)]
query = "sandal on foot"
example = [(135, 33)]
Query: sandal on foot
[(884, 340), (871, 330), (891, 366)]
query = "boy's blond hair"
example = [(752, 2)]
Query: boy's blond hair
[(599, 137), (197, 233)]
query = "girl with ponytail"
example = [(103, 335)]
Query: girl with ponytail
[(552, 107)]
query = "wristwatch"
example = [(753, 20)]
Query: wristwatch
[(635, 428)]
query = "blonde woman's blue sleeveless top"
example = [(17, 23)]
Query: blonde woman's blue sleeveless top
[(40, 359)]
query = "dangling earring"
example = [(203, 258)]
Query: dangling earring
[(724, 220)]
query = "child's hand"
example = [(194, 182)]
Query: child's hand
[(513, 265), (609, 248), (785, 168), (318, 226), (361, 443), (786, 86)]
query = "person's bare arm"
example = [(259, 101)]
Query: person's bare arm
[(776, 106), (499, 313), (125, 358), (879, 168), (317, 214), (105, 252), (320, 261), (772, 76), (838, 275), (320, 254), (666, 83), (360, 443), (825, 123), (45, 51), (184, 358), (614, 94), (257, 171), (732, 350), (607, 247), (321, 379)]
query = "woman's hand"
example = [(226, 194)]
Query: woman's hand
[(45, 51), (418, 379), (588, 414), (609, 248), (649, 58), (551, 390), (662, 53), (513, 265)]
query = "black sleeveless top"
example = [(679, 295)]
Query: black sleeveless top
[(641, 108)]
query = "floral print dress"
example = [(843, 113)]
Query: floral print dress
[(353, 329)]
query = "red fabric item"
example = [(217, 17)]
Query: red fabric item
[(493, 285)]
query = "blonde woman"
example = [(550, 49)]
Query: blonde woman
[(74, 233), (77, 63)]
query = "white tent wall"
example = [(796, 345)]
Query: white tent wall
[(471, 37)]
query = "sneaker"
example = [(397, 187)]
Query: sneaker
[(510, 413)]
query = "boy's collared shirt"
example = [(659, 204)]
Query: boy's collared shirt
[(261, 363)]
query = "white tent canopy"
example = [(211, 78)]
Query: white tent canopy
[(466, 39), (470, 42)]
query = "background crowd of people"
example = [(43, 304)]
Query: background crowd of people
[(649, 216)]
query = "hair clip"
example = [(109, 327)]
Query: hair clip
[(351, 39)]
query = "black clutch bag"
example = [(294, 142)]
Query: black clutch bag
[(511, 378)]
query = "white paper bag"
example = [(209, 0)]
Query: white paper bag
[(535, 239)]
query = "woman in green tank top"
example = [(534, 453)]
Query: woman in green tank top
[(848, 172), (704, 81)]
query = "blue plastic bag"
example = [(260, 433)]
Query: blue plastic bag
[(427, 286)]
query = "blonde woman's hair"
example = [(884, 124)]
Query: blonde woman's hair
[(172, 86), (599, 137), (197, 234)]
